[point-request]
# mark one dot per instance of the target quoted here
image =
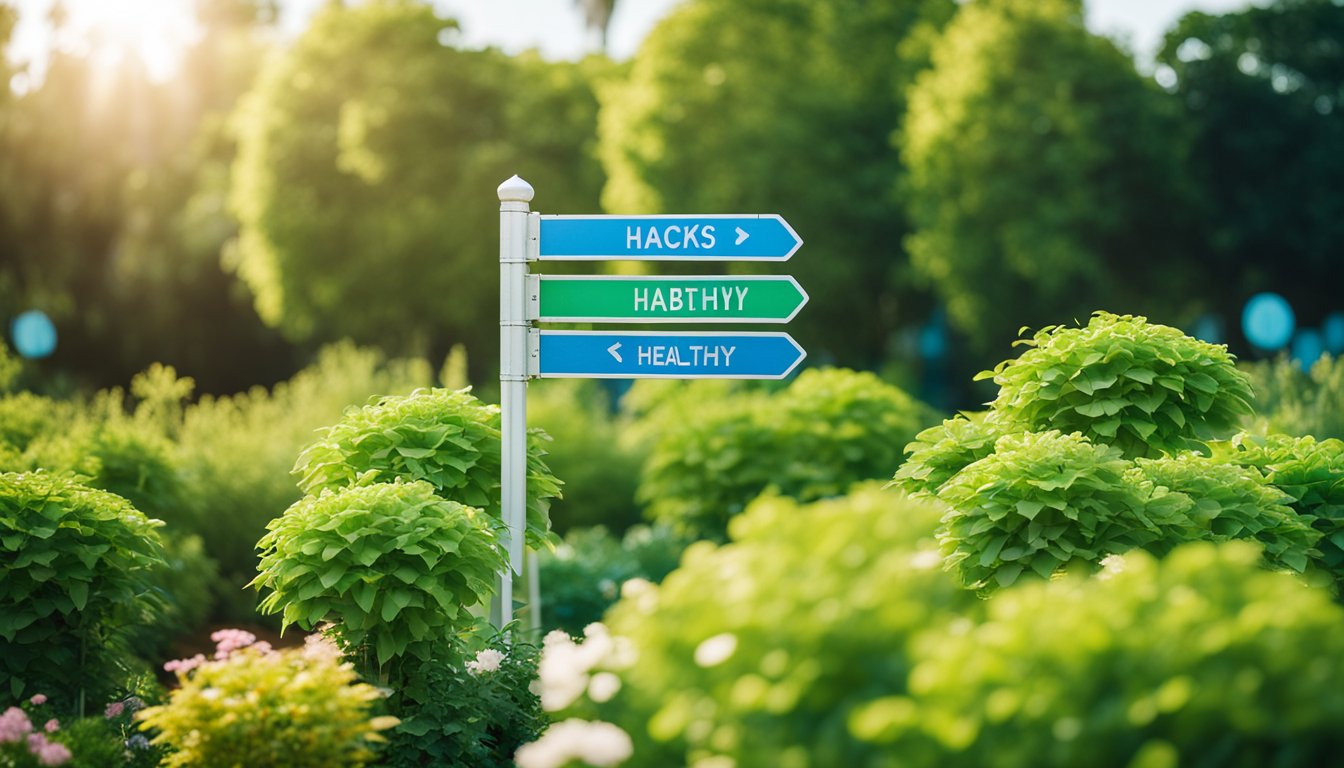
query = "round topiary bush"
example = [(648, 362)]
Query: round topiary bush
[(76, 572)]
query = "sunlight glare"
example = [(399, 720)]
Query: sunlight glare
[(155, 31)]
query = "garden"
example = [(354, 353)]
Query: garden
[(1060, 481)]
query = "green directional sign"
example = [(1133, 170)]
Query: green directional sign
[(579, 299)]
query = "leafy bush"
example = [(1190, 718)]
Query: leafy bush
[(236, 452), (816, 611), (938, 453), (468, 716), (394, 566), (1226, 502), (1043, 501), (1084, 453), (257, 706), (446, 438), (1145, 389), (76, 573), (1202, 659), (583, 577), (1291, 401), (1310, 472), (37, 734), (589, 450), (825, 431)]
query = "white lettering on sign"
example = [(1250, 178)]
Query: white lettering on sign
[(668, 355), (691, 299), (673, 236)]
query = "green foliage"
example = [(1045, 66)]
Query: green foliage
[(583, 577), (1085, 453), (828, 429), (76, 573), (1293, 402), (1202, 659), (1311, 473), (1043, 167), (816, 612), (297, 707), (470, 716), (815, 89), (236, 452), (1146, 389), (1262, 93), (1041, 502), (446, 438), (369, 135), (938, 453), (394, 566), (590, 450)]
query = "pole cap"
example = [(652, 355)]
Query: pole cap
[(516, 190)]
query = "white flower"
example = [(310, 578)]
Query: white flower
[(595, 743), (603, 686), (716, 650), (486, 661)]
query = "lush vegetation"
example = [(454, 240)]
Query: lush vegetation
[(1132, 555)]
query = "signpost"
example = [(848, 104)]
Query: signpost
[(526, 352), (757, 237), (575, 299), (632, 355)]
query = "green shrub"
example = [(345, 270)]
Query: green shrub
[(1044, 501), (395, 567), (76, 573), (446, 438), (1294, 402), (587, 449), (296, 708), (938, 453), (1202, 659), (583, 577), (812, 440), (236, 452), (468, 716), (1145, 389), (761, 650), (1310, 472)]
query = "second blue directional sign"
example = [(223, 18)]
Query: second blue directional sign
[(733, 237), (635, 355)]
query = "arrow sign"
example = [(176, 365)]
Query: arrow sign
[(731, 237), (593, 355), (754, 299)]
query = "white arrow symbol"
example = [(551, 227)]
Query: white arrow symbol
[(741, 235), (612, 349)]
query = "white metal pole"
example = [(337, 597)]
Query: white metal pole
[(514, 196)]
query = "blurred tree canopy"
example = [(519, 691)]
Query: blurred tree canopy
[(368, 155), (1263, 93), (783, 106), (1045, 174)]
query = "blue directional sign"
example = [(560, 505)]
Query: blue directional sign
[(733, 237), (635, 355)]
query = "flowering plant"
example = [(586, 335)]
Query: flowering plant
[(470, 714), (32, 735), (252, 705)]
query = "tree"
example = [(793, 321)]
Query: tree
[(368, 158), (1044, 174), (783, 106), (1262, 90)]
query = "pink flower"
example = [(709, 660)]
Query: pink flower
[(229, 640), (14, 725), (53, 725), (38, 700), (52, 753), (183, 666), (113, 709)]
